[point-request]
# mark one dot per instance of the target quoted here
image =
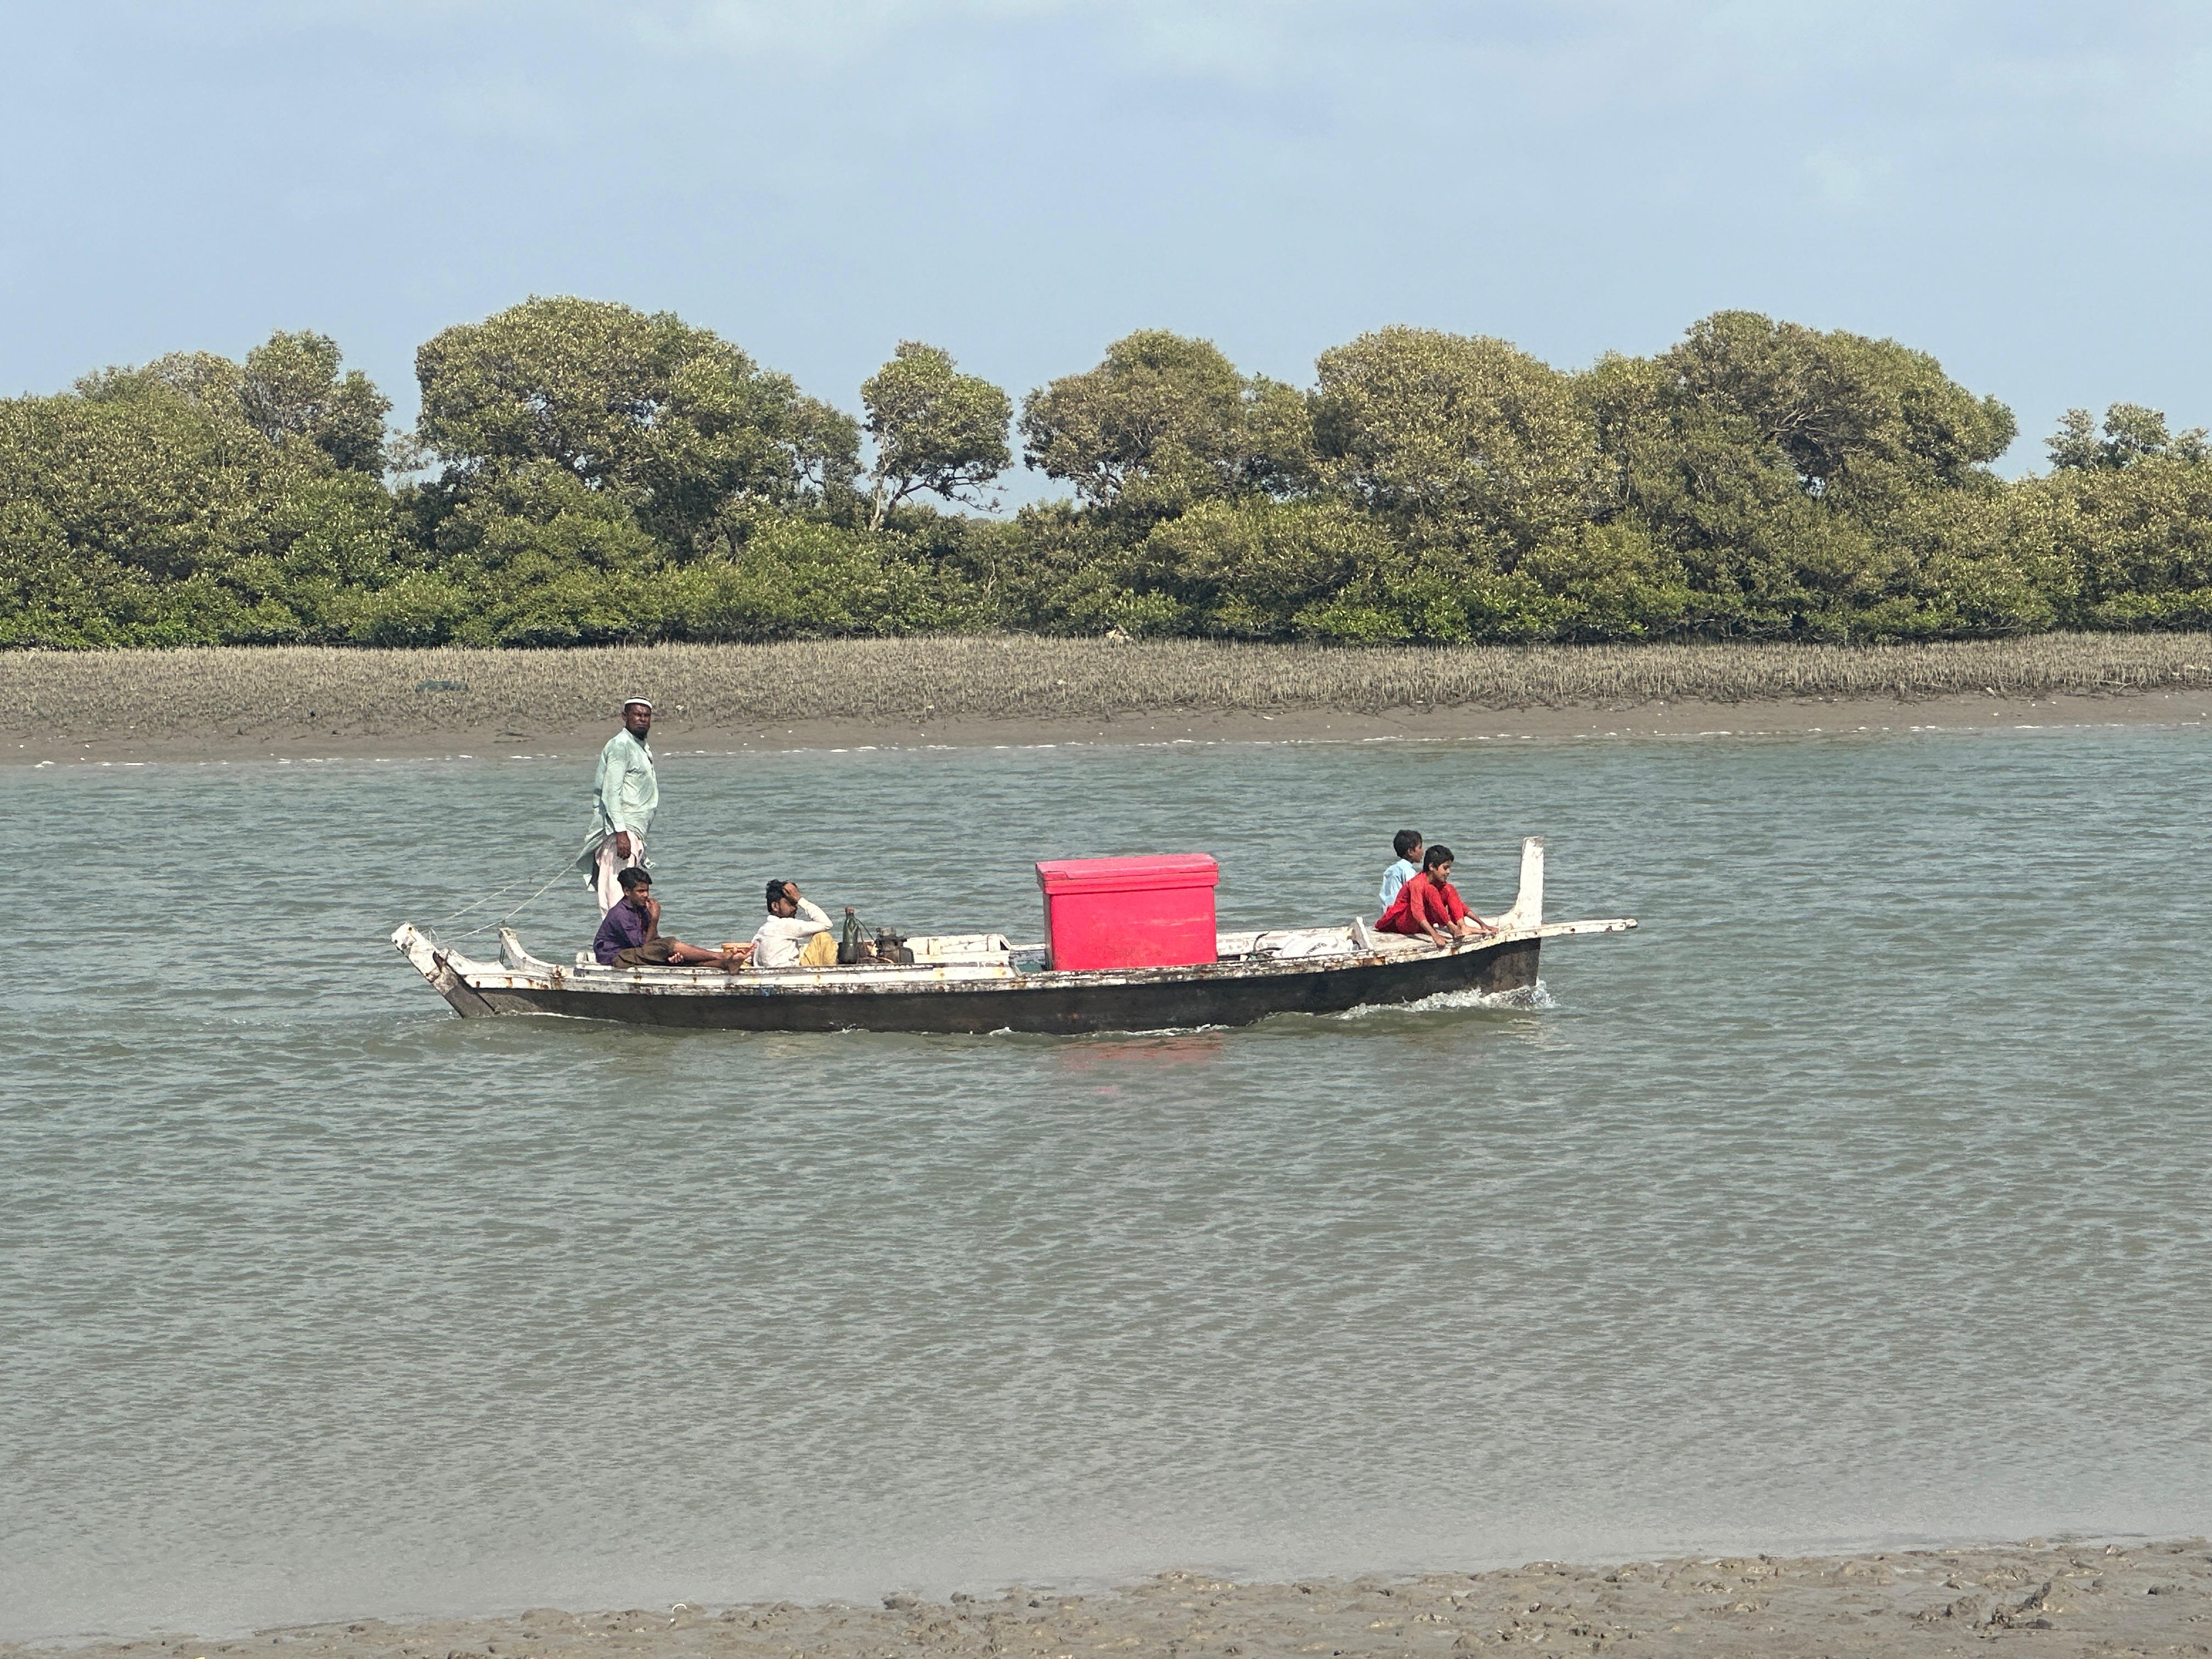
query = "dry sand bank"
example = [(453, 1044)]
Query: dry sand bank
[(297, 703), (2072, 1598)]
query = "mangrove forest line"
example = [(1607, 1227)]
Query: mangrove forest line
[(585, 473)]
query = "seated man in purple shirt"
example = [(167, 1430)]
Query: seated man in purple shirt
[(630, 936)]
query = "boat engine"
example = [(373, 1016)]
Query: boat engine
[(854, 946)]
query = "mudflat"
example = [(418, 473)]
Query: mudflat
[(302, 701), (2109, 1600)]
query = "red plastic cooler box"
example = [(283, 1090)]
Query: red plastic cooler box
[(1130, 913)]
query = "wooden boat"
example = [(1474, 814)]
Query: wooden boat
[(980, 982)]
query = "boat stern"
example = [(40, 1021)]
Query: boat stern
[(1527, 914)]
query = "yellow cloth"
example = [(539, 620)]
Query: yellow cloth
[(820, 951)]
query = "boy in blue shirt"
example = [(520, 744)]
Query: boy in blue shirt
[(1406, 844)]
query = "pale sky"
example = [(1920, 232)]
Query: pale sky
[(2018, 187)]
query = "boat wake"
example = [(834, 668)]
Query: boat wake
[(1522, 997)]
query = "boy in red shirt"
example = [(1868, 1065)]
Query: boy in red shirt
[(1430, 906)]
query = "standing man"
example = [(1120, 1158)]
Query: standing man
[(622, 803)]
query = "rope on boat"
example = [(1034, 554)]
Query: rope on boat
[(568, 866)]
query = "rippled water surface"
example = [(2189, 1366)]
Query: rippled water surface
[(1861, 1196)]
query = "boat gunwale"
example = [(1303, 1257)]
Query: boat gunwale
[(888, 979)]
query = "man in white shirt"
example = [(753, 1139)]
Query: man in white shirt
[(795, 933), (624, 796)]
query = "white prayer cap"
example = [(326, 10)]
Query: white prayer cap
[(627, 701)]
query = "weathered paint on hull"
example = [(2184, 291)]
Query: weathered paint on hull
[(1047, 1004)]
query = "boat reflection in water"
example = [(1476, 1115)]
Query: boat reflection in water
[(979, 982)]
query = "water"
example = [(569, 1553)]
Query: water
[(1859, 1197)]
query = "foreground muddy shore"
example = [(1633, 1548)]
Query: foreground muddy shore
[(674, 734), (2108, 1600), (299, 702)]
